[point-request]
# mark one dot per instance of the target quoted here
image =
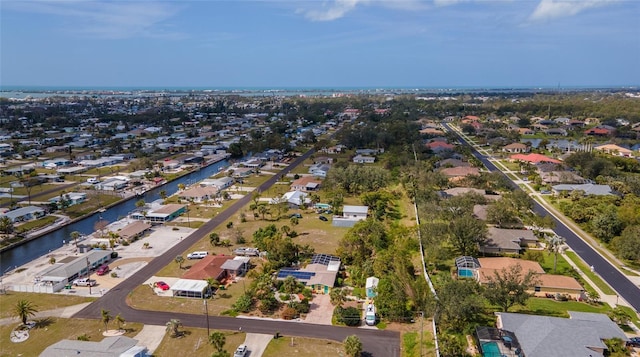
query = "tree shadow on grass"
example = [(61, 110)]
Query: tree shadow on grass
[(44, 322)]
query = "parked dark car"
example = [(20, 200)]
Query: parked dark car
[(296, 215), (103, 269), (634, 342), (323, 218)]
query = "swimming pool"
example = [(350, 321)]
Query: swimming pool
[(490, 349), (322, 205), (465, 273)]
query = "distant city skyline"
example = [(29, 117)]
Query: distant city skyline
[(320, 44)]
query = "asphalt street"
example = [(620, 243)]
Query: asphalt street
[(375, 342), (625, 288)]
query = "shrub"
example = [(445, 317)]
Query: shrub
[(244, 303), (302, 307), (349, 316), (175, 229), (289, 313), (114, 274)]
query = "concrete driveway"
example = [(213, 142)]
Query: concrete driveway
[(321, 310), (257, 343)]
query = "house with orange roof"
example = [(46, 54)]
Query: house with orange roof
[(547, 285), (208, 267), (533, 158), (598, 131)]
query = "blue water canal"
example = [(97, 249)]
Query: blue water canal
[(38, 247)]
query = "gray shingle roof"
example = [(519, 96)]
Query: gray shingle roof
[(556, 336), (108, 347)]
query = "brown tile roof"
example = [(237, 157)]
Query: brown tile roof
[(559, 282), (491, 265), (304, 180), (460, 171), (168, 209), (133, 229), (208, 267)]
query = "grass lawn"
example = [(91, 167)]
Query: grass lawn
[(550, 307), (143, 298), (562, 268), (411, 343), (587, 271), (196, 343), (43, 302), (51, 330), (303, 347), (36, 224)]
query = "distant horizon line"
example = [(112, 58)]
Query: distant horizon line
[(9, 88)]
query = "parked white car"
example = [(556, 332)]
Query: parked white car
[(84, 282)]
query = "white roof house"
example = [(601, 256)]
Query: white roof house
[(118, 346), (190, 288), (350, 216), (297, 198)]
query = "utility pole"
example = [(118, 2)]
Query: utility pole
[(206, 312), (421, 330)]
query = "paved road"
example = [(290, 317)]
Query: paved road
[(606, 270), (376, 343)]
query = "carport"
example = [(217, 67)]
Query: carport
[(190, 288)]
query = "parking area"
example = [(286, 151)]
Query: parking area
[(131, 258)]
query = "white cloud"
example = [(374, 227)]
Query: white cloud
[(549, 9), (335, 9), (112, 20)]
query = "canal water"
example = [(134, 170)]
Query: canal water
[(29, 251)]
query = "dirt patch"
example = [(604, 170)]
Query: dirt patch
[(124, 261)]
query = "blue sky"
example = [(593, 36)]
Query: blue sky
[(315, 43)]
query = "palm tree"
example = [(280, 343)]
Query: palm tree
[(286, 230), (120, 321), (554, 244), (75, 235), (217, 339), (289, 286), (214, 239), (24, 309), (179, 259), (6, 225), (213, 283), (353, 346), (163, 194), (106, 317), (173, 327), (338, 296)]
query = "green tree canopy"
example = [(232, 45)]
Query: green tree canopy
[(509, 286)]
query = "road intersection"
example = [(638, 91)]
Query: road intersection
[(375, 342)]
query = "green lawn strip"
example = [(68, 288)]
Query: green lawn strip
[(42, 302), (302, 347), (550, 307), (604, 287), (195, 342), (51, 330), (36, 224), (634, 317)]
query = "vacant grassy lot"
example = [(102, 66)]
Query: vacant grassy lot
[(195, 342), (43, 302), (303, 347), (51, 330), (143, 298)]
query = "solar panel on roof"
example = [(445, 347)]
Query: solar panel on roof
[(323, 259), (301, 275)]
